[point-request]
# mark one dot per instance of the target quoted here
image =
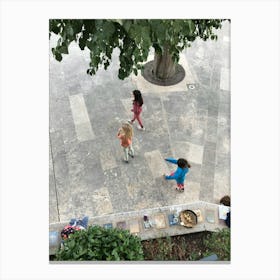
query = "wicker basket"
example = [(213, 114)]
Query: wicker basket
[(188, 218)]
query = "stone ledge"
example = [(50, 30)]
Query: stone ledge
[(208, 221)]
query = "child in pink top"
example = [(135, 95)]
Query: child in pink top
[(125, 134), (137, 108)]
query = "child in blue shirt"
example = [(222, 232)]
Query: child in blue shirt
[(180, 173)]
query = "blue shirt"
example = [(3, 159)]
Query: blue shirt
[(180, 173)]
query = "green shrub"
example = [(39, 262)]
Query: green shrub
[(218, 243), (100, 244)]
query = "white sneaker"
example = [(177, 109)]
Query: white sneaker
[(141, 128)]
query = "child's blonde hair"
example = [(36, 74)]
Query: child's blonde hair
[(128, 131)]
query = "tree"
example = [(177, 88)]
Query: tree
[(134, 38)]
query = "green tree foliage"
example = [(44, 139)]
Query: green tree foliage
[(134, 38), (97, 244)]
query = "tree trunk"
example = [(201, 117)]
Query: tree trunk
[(163, 67)]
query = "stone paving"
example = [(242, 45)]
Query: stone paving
[(190, 119)]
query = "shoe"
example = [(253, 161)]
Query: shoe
[(126, 161), (130, 122), (131, 155), (180, 189), (141, 128)]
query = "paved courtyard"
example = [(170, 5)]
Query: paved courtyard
[(87, 173)]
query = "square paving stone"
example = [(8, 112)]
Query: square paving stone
[(206, 191), (181, 150), (75, 89), (223, 142), (101, 202), (202, 102), (156, 163), (175, 105), (56, 142), (191, 194), (208, 172), (213, 100), (194, 174), (107, 160), (79, 110), (212, 126), (53, 211), (198, 132), (93, 176), (213, 111), (134, 226), (160, 221), (127, 104), (209, 156), (84, 131), (224, 112), (195, 153), (224, 96), (61, 167), (121, 225), (225, 78)]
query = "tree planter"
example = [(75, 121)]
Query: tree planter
[(163, 70), (148, 74)]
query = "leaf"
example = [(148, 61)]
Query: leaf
[(126, 25), (69, 30), (58, 56), (177, 26), (63, 49), (53, 26), (159, 30), (77, 26), (108, 29), (71, 244), (53, 51), (157, 48)]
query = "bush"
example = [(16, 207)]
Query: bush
[(100, 244), (218, 243)]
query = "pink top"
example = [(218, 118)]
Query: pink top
[(137, 109), (125, 142)]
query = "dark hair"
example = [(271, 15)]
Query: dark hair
[(138, 97), (225, 200), (183, 163)]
